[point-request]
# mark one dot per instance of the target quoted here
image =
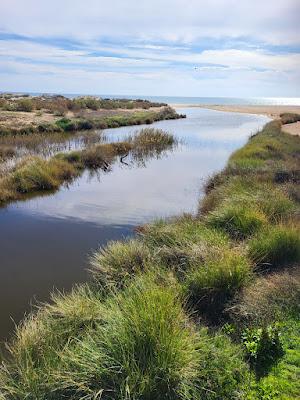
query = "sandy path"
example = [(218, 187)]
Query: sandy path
[(270, 111)]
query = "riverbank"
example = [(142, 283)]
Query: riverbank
[(273, 112), (198, 307), (27, 115), (34, 176)]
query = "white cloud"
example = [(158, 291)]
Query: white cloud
[(179, 47), (273, 22)]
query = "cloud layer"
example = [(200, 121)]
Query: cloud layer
[(194, 48)]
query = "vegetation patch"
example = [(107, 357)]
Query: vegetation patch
[(34, 174), (276, 246), (182, 311)]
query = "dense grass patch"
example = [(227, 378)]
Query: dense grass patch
[(35, 174), (118, 262), (269, 299), (211, 285), (275, 246), (142, 346), (237, 220), (40, 339)]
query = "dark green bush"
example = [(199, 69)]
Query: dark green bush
[(263, 347)]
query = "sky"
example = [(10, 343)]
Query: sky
[(231, 48)]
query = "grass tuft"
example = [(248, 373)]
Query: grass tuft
[(213, 284), (237, 220), (275, 246)]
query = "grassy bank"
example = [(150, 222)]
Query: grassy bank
[(57, 114), (203, 307), (34, 175)]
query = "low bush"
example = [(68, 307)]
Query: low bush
[(263, 347), (24, 105), (275, 246), (289, 118)]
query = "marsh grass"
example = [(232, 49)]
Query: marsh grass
[(212, 284), (268, 299), (7, 152), (276, 246), (237, 220), (34, 174), (137, 331), (140, 344)]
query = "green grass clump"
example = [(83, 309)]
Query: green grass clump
[(268, 299), (139, 344), (150, 137), (118, 262), (237, 220), (36, 174), (275, 246), (147, 349), (211, 285), (180, 244), (40, 340)]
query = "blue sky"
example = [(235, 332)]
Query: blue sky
[(158, 47)]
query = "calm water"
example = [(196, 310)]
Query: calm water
[(45, 241)]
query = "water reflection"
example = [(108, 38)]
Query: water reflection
[(44, 241)]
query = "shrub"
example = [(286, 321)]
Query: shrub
[(24, 105), (210, 286), (275, 246), (289, 118), (67, 124), (263, 347), (237, 220)]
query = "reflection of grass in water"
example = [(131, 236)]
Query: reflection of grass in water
[(39, 144), (34, 174)]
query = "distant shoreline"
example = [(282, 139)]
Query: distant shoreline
[(271, 111)]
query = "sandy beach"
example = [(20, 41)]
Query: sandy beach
[(271, 111)]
